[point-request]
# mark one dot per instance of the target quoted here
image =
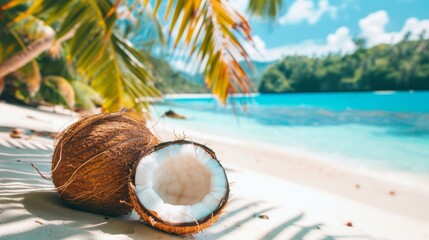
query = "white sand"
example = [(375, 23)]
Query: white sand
[(302, 197)]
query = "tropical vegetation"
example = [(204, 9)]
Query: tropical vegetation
[(170, 80), (403, 66), (97, 65)]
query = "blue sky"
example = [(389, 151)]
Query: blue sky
[(316, 27)]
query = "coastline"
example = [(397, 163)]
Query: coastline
[(368, 148), (205, 95), (306, 169), (209, 95), (276, 193)]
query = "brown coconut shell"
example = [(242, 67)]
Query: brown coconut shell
[(93, 160), (183, 229)]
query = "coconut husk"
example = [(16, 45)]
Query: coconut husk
[(183, 229), (93, 159)]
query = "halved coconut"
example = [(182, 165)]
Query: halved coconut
[(179, 187)]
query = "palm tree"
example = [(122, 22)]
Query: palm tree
[(211, 31)]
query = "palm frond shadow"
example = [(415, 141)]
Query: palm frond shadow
[(280, 228), (54, 216), (16, 157), (34, 147), (23, 147), (250, 217), (248, 212)]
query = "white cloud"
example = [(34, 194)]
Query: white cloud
[(338, 42), (306, 10), (373, 29), (416, 28)]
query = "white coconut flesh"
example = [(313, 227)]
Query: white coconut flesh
[(181, 182)]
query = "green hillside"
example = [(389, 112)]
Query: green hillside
[(402, 66), (170, 81)]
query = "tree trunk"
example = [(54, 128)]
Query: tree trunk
[(26, 55), (30, 52)]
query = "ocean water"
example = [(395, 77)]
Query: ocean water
[(375, 130)]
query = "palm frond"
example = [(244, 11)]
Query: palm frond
[(86, 98), (108, 63), (212, 31), (138, 23), (30, 73), (11, 8), (265, 8), (57, 90)]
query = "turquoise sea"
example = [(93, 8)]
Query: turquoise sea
[(371, 130)]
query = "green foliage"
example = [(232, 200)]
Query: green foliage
[(275, 80), (89, 37), (212, 32), (14, 39), (255, 72), (86, 98), (16, 91), (402, 66), (58, 91), (98, 56), (265, 8), (169, 81)]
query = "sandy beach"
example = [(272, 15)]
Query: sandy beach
[(276, 193)]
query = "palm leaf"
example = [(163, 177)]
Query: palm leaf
[(86, 98), (212, 31), (145, 29), (57, 90), (108, 63), (30, 73), (265, 8)]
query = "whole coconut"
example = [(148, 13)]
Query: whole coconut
[(93, 160)]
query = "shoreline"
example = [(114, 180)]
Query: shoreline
[(206, 95), (369, 186), (383, 171), (253, 94)]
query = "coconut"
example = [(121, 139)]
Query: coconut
[(93, 160), (179, 187)]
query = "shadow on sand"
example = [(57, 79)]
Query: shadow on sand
[(30, 208)]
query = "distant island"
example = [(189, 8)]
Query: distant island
[(403, 66)]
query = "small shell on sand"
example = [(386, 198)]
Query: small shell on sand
[(16, 133)]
